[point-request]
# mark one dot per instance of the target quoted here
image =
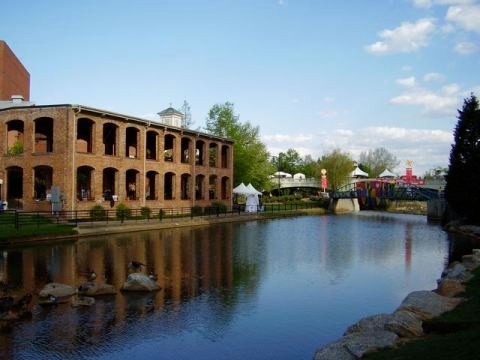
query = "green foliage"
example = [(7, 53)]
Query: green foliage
[(197, 210), (250, 154), (377, 161), (145, 211), (123, 211), (289, 162), (97, 212), (161, 214), (339, 166), (461, 190), (17, 148)]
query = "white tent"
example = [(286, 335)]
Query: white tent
[(252, 199), (299, 176), (281, 174), (359, 173), (387, 174), (241, 189)]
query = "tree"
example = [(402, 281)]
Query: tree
[(377, 161), (339, 166), (187, 115), (289, 162), (461, 191), (249, 153)]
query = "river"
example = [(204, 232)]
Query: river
[(274, 289)]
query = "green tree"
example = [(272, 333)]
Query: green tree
[(289, 162), (377, 160), (308, 167), (461, 191), (339, 166), (249, 153)]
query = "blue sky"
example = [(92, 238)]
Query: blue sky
[(313, 75)]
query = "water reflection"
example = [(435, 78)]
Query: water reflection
[(279, 287)]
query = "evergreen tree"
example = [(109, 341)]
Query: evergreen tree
[(462, 191)]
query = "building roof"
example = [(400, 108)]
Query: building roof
[(104, 113), (170, 111)]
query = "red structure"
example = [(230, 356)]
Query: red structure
[(14, 78)]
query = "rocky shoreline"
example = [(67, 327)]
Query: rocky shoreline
[(405, 323)]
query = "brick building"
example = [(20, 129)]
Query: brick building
[(14, 78), (94, 156)]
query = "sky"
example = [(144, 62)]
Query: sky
[(312, 75)]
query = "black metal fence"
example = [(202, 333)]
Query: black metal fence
[(104, 216)]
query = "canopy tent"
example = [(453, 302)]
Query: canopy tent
[(387, 174), (281, 174), (359, 173), (299, 176), (241, 189), (253, 202)]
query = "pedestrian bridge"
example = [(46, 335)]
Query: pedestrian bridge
[(376, 191), (289, 183)]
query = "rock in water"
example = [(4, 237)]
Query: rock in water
[(94, 289), (57, 290), (139, 282)]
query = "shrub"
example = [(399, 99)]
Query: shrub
[(161, 214), (197, 210), (145, 211), (220, 206), (123, 211), (17, 148), (97, 212)]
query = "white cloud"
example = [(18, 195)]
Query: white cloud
[(465, 48), (407, 68), (426, 147), (407, 37), (429, 3), (328, 99), (433, 76), (441, 103), (328, 113), (468, 17), (408, 82)]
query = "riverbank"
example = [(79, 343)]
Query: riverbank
[(439, 324), (90, 229)]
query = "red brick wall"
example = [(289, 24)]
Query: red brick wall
[(14, 78)]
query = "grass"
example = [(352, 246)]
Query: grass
[(30, 226), (454, 335)]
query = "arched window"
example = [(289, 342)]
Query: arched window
[(185, 186), (84, 183), (169, 148), (15, 137), (185, 150), (225, 153), (199, 187), (43, 176), (150, 185), (14, 184), (110, 138), (212, 154), (152, 139), (43, 135), (85, 133), (169, 186), (131, 184), (131, 142), (200, 152), (225, 187), (109, 183), (212, 187)]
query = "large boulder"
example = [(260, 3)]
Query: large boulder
[(356, 345), (427, 304), (139, 282), (471, 262), (450, 287), (370, 323), (96, 289), (61, 292), (456, 270), (405, 324)]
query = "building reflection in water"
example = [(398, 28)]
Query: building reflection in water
[(187, 261)]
